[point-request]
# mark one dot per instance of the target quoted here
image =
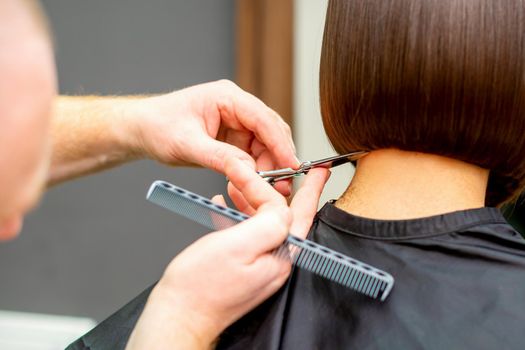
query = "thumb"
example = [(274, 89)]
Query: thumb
[(259, 234), (305, 202), (212, 154)]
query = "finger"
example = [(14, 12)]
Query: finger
[(266, 124), (258, 235), (216, 218), (238, 200), (306, 200), (242, 139), (257, 148), (254, 189), (284, 187), (212, 154), (219, 199), (265, 162), (273, 270)]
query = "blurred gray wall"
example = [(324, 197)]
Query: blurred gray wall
[(95, 243)]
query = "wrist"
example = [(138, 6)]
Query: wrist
[(183, 318), (127, 112)]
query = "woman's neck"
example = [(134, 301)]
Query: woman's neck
[(391, 184)]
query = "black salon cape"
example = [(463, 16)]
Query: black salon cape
[(459, 284)]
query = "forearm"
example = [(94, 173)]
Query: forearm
[(200, 125), (90, 134), (167, 324)]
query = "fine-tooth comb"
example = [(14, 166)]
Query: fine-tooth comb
[(305, 254)]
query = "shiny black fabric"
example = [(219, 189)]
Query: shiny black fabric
[(460, 284), (113, 333)]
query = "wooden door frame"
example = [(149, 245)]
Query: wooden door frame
[(264, 52)]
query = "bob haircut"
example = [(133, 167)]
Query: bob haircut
[(445, 77)]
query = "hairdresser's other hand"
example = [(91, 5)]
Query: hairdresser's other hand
[(225, 274), (205, 124)]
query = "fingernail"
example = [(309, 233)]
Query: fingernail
[(297, 159)]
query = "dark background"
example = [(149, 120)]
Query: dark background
[(95, 243)]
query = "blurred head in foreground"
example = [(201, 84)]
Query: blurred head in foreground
[(27, 89)]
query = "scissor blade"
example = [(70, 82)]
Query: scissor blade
[(273, 176), (334, 161)]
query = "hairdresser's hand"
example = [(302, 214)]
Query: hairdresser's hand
[(205, 124), (303, 208), (225, 274)]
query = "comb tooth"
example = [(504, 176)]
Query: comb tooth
[(339, 272), (380, 289), (381, 295), (335, 271), (333, 267), (364, 283), (310, 264), (321, 265), (344, 275), (350, 276), (361, 283), (319, 262), (377, 290), (315, 262), (374, 287), (342, 272), (283, 252), (286, 252), (371, 290), (358, 281), (280, 252), (297, 254), (328, 267), (326, 261), (324, 266), (357, 278), (303, 257)]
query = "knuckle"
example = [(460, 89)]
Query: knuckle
[(281, 219), (227, 84), (287, 128), (216, 158)]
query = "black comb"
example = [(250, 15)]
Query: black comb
[(305, 254)]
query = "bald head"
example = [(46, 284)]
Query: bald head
[(27, 89)]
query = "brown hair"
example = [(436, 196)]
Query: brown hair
[(437, 76)]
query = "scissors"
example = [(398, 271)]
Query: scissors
[(272, 176)]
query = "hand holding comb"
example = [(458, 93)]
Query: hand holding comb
[(305, 254)]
